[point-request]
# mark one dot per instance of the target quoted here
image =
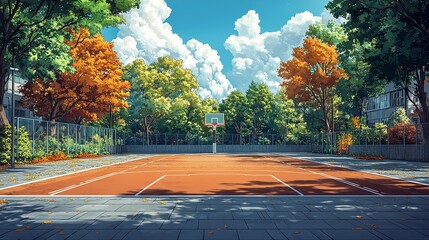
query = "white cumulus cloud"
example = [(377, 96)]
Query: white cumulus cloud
[(257, 56), (146, 35)]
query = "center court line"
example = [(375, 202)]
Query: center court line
[(95, 179), (287, 185), (148, 186)]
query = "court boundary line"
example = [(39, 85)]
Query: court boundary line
[(148, 186), (355, 185), (373, 191), (219, 174), (213, 196), (52, 193), (355, 169), (287, 185), (80, 171)]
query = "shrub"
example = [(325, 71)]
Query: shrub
[(24, 146), (22, 142), (396, 134), (343, 141), (5, 144)]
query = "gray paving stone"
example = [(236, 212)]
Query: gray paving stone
[(350, 234), (218, 208), (253, 235), (220, 235), (388, 215), (276, 234), (97, 208), (129, 224), (413, 224), (401, 234), (191, 235), (190, 215), (352, 215), (153, 215), (78, 234), (220, 215), (103, 224), (104, 234), (151, 224), (286, 215), (222, 224), (320, 215), (58, 234), (50, 215), (245, 215), (372, 224), (24, 234), (300, 234), (306, 224), (152, 235), (184, 224), (341, 224), (65, 224), (261, 224), (87, 215)]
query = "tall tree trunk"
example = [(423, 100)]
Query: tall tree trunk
[(3, 118), (424, 110)]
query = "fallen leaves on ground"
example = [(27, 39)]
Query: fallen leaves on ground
[(3, 202), (162, 202), (47, 222), (19, 230), (360, 217), (357, 228), (210, 232)]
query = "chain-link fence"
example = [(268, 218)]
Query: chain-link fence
[(221, 139), (402, 141), (50, 138)]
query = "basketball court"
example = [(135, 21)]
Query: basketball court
[(219, 175)]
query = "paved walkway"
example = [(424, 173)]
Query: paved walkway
[(337, 217), (188, 218)]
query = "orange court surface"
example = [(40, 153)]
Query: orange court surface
[(219, 174)]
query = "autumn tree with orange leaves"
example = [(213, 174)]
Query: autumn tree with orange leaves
[(310, 76), (95, 88)]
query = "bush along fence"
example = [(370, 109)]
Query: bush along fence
[(221, 139), (36, 140), (401, 141)]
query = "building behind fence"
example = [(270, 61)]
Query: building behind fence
[(50, 138)]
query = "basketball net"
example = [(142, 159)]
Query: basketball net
[(214, 125)]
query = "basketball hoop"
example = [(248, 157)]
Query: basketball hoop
[(214, 124)]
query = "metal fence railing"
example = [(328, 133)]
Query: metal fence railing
[(221, 139), (404, 141), (49, 138)]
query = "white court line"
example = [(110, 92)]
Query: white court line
[(349, 183), (287, 185), (83, 170), (94, 180), (373, 191), (213, 196), (358, 170), (270, 171), (148, 186)]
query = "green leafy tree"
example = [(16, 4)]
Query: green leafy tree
[(260, 102), (237, 112), (287, 120), (399, 116), (400, 31), (158, 90), (360, 85), (32, 34)]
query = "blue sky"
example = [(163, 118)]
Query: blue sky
[(212, 22)]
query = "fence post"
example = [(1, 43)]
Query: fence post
[(17, 138), (403, 140), (47, 140), (32, 139)]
